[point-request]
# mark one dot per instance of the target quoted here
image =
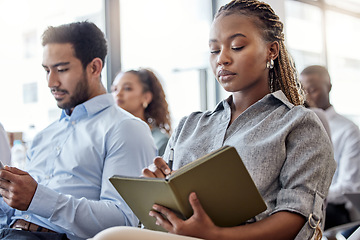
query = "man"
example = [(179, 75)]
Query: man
[(345, 136), (66, 191)]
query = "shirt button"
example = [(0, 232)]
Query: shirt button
[(26, 216), (58, 150), (47, 177)]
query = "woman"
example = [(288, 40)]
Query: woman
[(140, 93), (282, 144)]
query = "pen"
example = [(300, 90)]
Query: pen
[(170, 162), (171, 159)]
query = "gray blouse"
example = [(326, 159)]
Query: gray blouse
[(284, 147)]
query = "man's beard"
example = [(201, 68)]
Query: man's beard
[(79, 96)]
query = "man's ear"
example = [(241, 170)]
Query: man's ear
[(95, 67), (273, 50)]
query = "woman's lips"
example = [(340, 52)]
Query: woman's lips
[(225, 75)]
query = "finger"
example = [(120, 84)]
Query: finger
[(5, 194), (169, 215), (157, 169), (148, 173), (4, 174), (152, 167), (161, 221), (159, 173), (15, 170), (162, 165), (4, 184), (19, 192), (196, 205), (12, 174)]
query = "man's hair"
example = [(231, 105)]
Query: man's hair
[(316, 69), (87, 39)]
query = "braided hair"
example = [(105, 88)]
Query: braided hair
[(284, 75)]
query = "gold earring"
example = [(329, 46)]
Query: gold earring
[(145, 105)]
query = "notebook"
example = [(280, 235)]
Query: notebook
[(220, 180)]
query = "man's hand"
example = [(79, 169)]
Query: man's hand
[(159, 169), (198, 225), (17, 187)]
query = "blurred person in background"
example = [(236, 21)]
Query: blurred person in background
[(140, 93), (345, 136)]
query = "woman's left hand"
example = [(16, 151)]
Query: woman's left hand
[(198, 225)]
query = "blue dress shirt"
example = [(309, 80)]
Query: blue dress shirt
[(72, 161)]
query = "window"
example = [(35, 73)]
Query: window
[(344, 62), (324, 33), (170, 37), (304, 34), (24, 96), (349, 5)]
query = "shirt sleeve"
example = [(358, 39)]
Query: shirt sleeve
[(126, 155), (307, 172), (5, 214), (348, 173)]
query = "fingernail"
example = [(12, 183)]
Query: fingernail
[(167, 171), (157, 223), (193, 196)]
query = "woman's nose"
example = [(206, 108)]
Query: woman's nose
[(224, 58)]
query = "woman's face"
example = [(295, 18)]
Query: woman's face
[(129, 95), (238, 54)]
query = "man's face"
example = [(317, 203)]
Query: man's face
[(317, 90), (65, 75)]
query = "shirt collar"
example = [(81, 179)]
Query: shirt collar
[(278, 95), (281, 96), (330, 112), (90, 107)]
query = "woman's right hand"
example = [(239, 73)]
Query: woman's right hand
[(158, 169)]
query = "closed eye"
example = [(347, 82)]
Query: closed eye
[(62, 70), (237, 48), (214, 51)]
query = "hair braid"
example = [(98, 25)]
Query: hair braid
[(284, 71)]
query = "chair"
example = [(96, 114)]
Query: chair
[(334, 233), (355, 235)]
